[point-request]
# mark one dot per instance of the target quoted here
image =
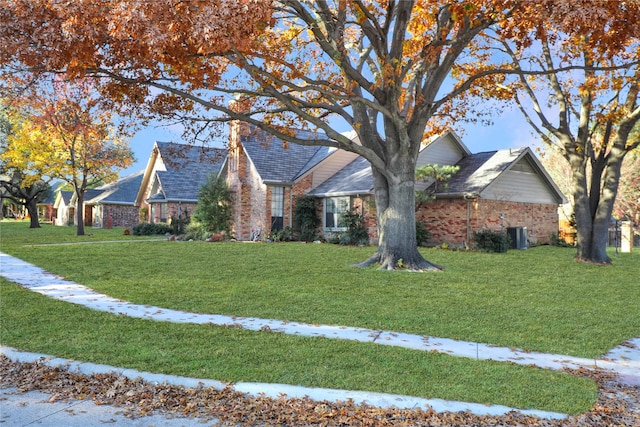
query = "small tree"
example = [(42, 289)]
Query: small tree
[(214, 209), (439, 175)]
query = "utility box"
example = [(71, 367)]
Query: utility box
[(626, 236), (518, 237)]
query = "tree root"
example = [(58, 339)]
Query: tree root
[(391, 263)]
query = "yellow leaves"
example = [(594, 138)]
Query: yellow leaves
[(62, 133)]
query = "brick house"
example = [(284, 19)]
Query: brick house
[(494, 190), (266, 176), (172, 179), (110, 205)]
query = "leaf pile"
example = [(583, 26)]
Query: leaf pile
[(618, 403)]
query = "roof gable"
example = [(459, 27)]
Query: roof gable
[(481, 174), (122, 191), (181, 170), (484, 174), (355, 178), (276, 161), (63, 198)]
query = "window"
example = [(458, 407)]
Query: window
[(164, 212), (334, 207), (277, 208)]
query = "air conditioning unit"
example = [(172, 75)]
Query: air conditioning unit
[(518, 237)]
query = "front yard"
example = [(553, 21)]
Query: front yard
[(539, 299)]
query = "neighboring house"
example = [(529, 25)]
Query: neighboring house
[(493, 190), (111, 205), (173, 177), (65, 211), (46, 211)]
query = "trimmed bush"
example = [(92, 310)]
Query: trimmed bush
[(151, 229), (491, 241)]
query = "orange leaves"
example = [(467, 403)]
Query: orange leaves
[(66, 134), (85, 34)]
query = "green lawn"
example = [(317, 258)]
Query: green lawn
[(539, 299)]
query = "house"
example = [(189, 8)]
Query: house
[(494, 190), (113, 204), (173, 177), (110, 205), (65, 211), (266, 176), (46, 211)]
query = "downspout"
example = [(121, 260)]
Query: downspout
[(291, 206), (468, 197)]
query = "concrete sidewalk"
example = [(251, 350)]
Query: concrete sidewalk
[(35, 409), (624, 360)]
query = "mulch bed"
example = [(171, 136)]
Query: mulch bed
[(618, 403)]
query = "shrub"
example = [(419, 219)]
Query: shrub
[(422, 234), (335, 238), (356, 233), (179, 224), (195, 231), (127, 232), (491, 241), (306, 218), (151, 228), (559, 241), (284, 235), (143, 214), (214, 209)]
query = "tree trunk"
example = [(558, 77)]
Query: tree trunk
[(593, 208), (395, 205), (80, 213), (32, 208)]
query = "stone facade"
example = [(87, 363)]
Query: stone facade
[(119, 216)]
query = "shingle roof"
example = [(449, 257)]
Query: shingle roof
[(122, 191), (355, 178), (275, 163), (50, 199), (187, 168), (66, 196), (479, 170), (91, 193)]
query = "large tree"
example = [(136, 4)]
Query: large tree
[(18, 182), (381, 68), (67, 134), (577, 86)]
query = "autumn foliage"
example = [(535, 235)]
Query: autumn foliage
[(392, 71), (65, 134)]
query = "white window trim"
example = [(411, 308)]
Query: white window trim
[(324, 213)]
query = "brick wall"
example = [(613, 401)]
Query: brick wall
[(249, 193), (454, 220)]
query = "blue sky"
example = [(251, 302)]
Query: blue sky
[(509, 130)]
